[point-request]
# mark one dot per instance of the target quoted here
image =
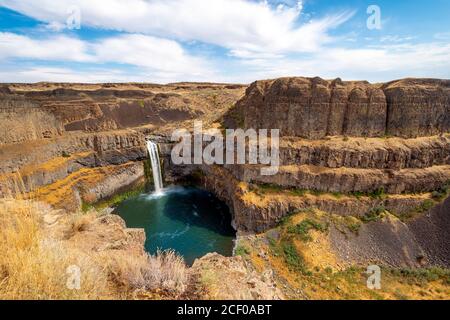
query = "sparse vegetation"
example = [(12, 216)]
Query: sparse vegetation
[(425, 206), (80, 223), (354, 227), (266, 188), (305, 279), (345, 223), (418, 276)]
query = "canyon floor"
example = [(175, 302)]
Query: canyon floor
[(364, 180)]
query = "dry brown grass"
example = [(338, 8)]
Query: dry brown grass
[(167, 270), (79, 223), (34, 265)]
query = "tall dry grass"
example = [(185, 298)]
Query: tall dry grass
[(35, 266), (165, 271)]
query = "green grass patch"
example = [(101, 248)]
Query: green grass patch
[(302, 229), (292, 258), (298, 192), (241, 251), (85, 207), (270, 188)]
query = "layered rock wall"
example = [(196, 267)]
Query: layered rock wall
[(314, 108)]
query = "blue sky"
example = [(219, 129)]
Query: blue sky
[(221, 40)]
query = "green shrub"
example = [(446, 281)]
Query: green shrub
[(328, 270), (425, 206), (441, 192), (377, 194), (375, 214), (65, 154), (357, 194), (85, 207), (354, 227)]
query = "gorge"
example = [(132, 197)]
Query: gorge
[(364, 176)]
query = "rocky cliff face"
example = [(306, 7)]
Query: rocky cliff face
[(314, 108), (23, 120), (344, 137), (367, 153)]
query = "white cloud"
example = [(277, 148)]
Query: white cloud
[(87, 75), (239, 25), (395, 38), (56, 48), (380, 63), (160, 58), (36, 74), (149, 52)]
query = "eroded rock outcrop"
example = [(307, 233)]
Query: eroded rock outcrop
[(242, 283)]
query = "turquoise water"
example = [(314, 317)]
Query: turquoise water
[(189, 220)]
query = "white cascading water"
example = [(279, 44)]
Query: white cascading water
[(156, 165)]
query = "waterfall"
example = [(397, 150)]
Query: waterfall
[(156, 165)]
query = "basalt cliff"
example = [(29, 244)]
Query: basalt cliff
[(316, 108)]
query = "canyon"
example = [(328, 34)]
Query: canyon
[(371, 161)]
